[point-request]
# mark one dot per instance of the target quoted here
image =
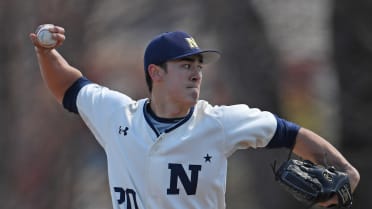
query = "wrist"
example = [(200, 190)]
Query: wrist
[(354, 177), (42, 50)]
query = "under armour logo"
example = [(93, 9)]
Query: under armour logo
[(123, 130)]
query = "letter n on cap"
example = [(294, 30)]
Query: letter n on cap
[(192, 43)]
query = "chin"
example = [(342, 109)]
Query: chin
[(194, 98), (192, 101), (191, 98)]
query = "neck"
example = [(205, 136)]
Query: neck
[(168, 110)]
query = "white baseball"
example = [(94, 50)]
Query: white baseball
[(44, 36)]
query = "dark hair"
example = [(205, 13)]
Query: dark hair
[(148, 77)]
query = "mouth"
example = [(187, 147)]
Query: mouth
[(196, 89), (192, 87)]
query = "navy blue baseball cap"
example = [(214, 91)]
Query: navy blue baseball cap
[(175, 45)]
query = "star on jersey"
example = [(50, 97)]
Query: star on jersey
[(207, 158)]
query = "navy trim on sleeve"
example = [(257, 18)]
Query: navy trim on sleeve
[(69, 99), (285, 134)]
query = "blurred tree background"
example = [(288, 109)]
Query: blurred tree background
[(307, 61)]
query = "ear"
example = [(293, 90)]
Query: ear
[(155, 72)]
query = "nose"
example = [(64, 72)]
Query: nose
[(196, 75)]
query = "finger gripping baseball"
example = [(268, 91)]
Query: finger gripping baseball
[(311, 184)]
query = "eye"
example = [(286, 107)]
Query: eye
[(187, 66), (200, 67)]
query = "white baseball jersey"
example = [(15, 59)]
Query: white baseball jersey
[(183, 168)]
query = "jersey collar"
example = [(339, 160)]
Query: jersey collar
[(149, 113)]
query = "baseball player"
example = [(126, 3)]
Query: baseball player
[(170, 150)]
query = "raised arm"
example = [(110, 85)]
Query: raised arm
[(311, 146), (57, 74)]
